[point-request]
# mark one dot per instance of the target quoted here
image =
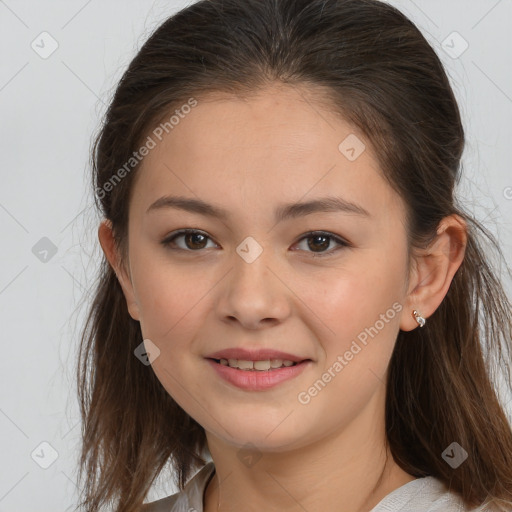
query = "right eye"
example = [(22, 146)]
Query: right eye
[(194, 240)]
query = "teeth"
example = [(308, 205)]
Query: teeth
[(257, 365)]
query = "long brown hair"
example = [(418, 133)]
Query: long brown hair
[(379, 73)]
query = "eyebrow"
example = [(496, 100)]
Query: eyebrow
[(282, 212)]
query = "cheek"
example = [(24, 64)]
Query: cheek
[(361, 308), (170, 297), (171, 304)]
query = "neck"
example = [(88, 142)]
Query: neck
[(352, 467)]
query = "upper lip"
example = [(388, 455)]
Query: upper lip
[(260, 354)]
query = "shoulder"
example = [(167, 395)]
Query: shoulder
[(191, 497), (427, 494), (162, 505)]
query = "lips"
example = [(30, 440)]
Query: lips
[(259, 380), (260, 354)]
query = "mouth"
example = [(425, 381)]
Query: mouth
[(258, 366), (258, 375)]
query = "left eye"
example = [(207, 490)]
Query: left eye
[(322, 240), (195, 241)]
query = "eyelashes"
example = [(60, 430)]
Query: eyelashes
[(195, 236)]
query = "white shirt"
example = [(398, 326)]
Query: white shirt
[(427, 494)]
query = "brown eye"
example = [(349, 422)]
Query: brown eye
[(194, 240), (319, 242)]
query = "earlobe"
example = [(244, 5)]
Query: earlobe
[(107, 242), (434, 271)]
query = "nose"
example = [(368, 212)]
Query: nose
[(254, 294)]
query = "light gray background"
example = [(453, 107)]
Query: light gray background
[(50, 108)]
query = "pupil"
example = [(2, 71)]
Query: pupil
[(198, 238), (320, 237), (192, 238)]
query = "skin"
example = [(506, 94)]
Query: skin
[(249, 156)]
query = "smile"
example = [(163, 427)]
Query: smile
[(257, 375)]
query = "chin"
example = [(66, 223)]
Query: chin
[(262, 438)]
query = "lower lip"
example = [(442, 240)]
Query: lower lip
[(256, 380)]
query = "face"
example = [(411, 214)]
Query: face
[(254, 280)]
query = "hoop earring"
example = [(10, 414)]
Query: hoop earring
[(421, 321)]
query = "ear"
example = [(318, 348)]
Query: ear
[(433, 271), (107, 243)]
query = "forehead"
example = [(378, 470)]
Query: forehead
[(278, 120), (279, 145)]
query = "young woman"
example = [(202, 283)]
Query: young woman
[(292, 301)]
